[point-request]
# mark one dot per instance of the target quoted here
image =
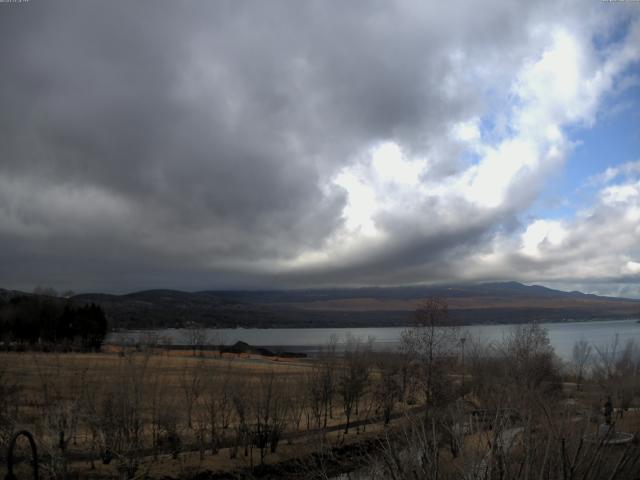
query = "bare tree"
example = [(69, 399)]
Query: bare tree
[(218, 340), (580, 357), (268, 412), (353, 377), (196, 337), (121, 414), (298, 401), (217, 403), (432, 343), (89, 413), (530, 372), (489, 384), (240, 399), (191, 383), (553, 444), (616, 369), (157, 395), (168, 426), (628, 367), (328, 368), (321, 385), (315, 394), (60, 411), (387, 386)]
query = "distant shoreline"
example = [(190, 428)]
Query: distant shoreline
[(563, 335), (399, 325)]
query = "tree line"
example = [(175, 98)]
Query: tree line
[(44, 322)]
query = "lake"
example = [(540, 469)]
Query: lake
[(311, 340)]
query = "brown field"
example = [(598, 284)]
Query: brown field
[(169, 414), (157, 382)]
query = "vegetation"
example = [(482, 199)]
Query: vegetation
[(504, 410), (46, 322)]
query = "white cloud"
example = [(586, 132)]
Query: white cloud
[(542, 235), (627, 169), (390, 165), (466, 131), (559, 87), (599, 247), (361, 204), (623, 193)]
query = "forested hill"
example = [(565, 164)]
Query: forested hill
[(484, 303)]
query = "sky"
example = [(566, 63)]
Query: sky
[(284, 144)]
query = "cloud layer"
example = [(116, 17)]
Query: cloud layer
[(258, 144)]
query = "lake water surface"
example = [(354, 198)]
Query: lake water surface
[(312, 340)]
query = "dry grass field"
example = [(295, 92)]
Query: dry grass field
[(205, 400), (174, 414)]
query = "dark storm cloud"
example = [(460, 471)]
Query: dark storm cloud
[(193, 144)]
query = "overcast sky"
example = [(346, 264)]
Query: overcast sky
[(238, 144)]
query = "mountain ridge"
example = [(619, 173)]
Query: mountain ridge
[(492, 302), (410, 291)]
